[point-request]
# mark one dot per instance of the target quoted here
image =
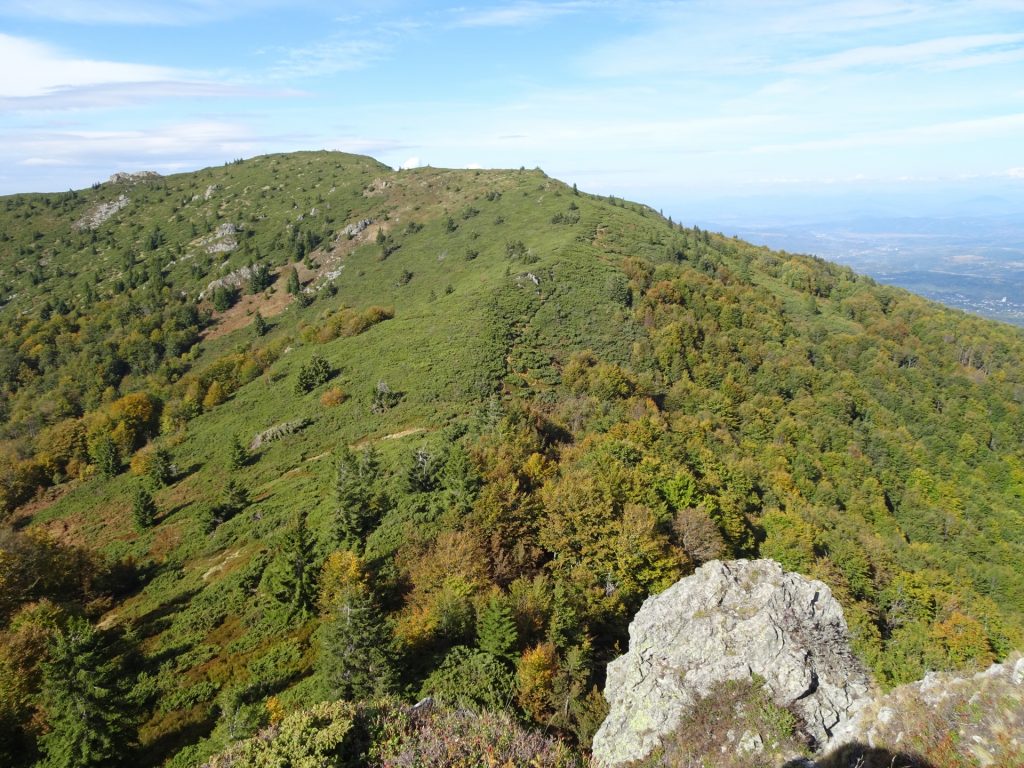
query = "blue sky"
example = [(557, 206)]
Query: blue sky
[(664, 102)]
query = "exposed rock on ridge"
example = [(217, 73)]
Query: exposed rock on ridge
[(101, 213), (983, 714), (235, 279), (730, 621)]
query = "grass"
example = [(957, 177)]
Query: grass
[(478, 321)]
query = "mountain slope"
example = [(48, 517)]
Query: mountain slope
[(493, 414)]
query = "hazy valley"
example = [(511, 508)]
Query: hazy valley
[(289, 444)]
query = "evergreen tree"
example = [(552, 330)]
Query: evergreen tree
[(292, 575), (238, 456), (312, 374), (143, 508), (360, 501), (294, 286), (460, 480), (259, 325), (421, 474), (224, 298), (236, 497), (105, 456), (471, 679), (496, 629), (84, 696), (260, 278), (354, 662), (161, 469)]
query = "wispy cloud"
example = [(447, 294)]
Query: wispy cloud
[(848, 16), (159, 141), (119, 94), (930, 53), (35, 76), (29, 68), (1001, 126), (133, 12), (329, 57), (517, 14)]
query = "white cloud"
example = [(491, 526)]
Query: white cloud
[(119, 94), (134, 148), (1003, 126), (926, 52), (329, 57), (412, 162), (31, 69), (36, 76), (852, 15), (134, 12), (518, 14)]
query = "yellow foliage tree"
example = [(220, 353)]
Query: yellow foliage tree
[(535, 677), (215, 395)]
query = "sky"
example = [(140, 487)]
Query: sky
[(669, 103)]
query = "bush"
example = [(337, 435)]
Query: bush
[(332, 397), (384, 398), (312, 374), (224, 298), (389, 733)]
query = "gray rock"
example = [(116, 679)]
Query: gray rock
[(356, 227), (131, 178), (233, 280), (221, 240), (101, 213), (939, 701), (730, 621)]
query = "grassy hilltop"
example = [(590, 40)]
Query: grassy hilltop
[(485, 412)]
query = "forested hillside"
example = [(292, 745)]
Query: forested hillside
[(303, 428)]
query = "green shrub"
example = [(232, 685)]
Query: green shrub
[(312, 374)]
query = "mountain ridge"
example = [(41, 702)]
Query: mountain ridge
[(585, 401)]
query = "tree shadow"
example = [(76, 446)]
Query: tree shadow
[(857, 755), (158, 619)]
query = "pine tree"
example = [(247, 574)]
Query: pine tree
[(353, 662), (421, 474), (293, 573), (312, 374), (84, 696), (496, 629), (143, 508), (238, 456), (460, 480), (259, 325), (236, 497), (360, 500), (294, 286), (105, 456), (161, 469)]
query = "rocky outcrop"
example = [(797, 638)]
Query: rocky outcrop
[(356, 227), (235, 279), (222, 240), (730, 621), (101, 213), (132, 178), (982, 714)]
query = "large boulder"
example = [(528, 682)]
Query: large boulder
[(730, 621)]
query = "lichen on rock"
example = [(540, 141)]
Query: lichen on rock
[(730, 621)]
